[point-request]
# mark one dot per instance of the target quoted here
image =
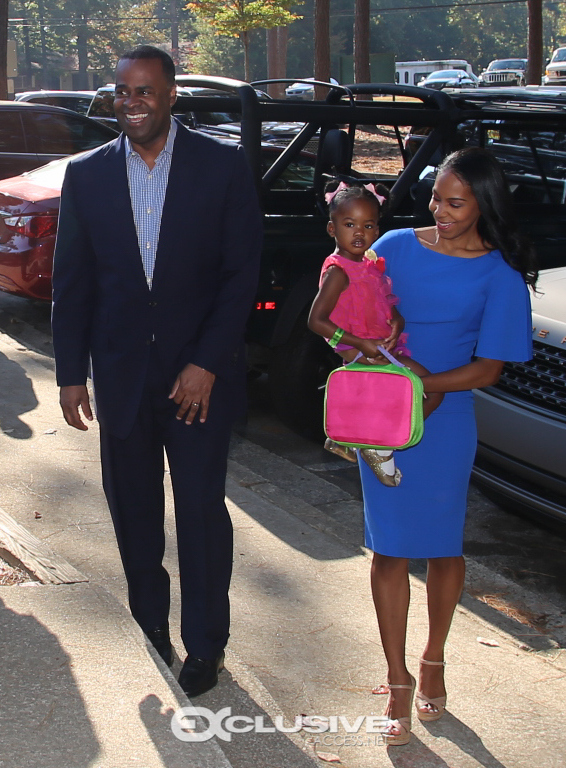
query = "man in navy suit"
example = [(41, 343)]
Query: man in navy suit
[(154, 276)]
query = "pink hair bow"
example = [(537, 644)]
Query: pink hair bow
[(371, 188), (329, 196)]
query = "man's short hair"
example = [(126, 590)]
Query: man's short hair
[(151, 52)]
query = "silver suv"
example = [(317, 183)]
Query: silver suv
[(504, 72), (521, 457)]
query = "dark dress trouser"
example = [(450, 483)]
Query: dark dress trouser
[(133, 473)]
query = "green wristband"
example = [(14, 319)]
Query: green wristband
[(335, 340)]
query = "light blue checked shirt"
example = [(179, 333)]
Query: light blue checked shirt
[(147, 193)]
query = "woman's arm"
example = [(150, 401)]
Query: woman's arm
[(481, 372), (334, 282)]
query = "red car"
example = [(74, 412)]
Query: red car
[(29, 207)]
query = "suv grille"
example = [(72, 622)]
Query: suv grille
[(540, 382), (502, 77)]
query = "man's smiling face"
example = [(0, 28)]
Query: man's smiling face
[(143, 102)]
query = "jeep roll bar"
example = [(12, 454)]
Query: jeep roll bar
[(433, 109)]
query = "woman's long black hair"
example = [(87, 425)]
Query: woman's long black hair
[(497, 226)]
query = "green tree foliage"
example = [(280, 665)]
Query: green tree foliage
[(237, 18), (54, 36), (215, 55)]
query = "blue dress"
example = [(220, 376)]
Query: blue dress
[(454, 308)]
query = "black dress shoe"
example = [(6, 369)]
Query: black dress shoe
[(159, 638), (200, 675)]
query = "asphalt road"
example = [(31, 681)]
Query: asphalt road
[(520, 557)]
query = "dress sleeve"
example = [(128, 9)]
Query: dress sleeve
[(506, 327)]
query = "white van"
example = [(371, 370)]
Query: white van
[(555, 73), (412, 72)]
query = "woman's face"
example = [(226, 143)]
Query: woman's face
[(454, 207)]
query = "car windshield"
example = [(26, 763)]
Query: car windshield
[(507, 64), (559, 55), (442, 74)]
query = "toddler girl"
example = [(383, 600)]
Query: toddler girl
[(354, 308)]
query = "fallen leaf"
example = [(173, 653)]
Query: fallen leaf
[(328, 757), (38, 515), (50, 432), (490, 643), (7, 431)]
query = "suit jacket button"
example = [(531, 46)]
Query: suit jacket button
[(152, 303)]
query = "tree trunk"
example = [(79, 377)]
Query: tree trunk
[(174, 32), (3, 49), (245, 37), (41, 14), (534, 67), (282, 38), (272, 44), (321, 44), (82, 52), (361, 42), (27, 52), (276, 40)]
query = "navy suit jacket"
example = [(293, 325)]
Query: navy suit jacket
[(203, 284)]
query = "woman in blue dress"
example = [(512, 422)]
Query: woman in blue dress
[(463, 291)]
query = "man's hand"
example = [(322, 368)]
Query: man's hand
[(70, 399), (191, 391)]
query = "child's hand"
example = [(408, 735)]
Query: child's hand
[(368, 347), (372, 355), (397, 324)]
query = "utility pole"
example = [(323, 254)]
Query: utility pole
[(174, 32), (534, 67), (3, 49), (361, 42), (321, 45), (41, 14)]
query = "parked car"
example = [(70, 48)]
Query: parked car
[(33, 134), (555, 73), (449, 78), (76, 101), (304, 89), (501, 72), (522, 420)]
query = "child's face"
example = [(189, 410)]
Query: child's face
[(354, 226)]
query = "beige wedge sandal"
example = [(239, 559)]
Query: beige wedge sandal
[(430, 709), (401, 724)]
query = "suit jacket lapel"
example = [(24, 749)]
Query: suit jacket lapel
[(180, 177)]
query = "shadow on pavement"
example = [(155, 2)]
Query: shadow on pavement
[(43, 716), (16, 397)]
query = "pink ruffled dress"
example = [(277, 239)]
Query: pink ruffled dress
[(364, 307)]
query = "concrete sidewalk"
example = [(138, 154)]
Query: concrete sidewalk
[(79, 688)]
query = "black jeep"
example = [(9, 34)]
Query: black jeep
[(406, 131)]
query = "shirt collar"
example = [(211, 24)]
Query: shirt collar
[(168, 144)]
